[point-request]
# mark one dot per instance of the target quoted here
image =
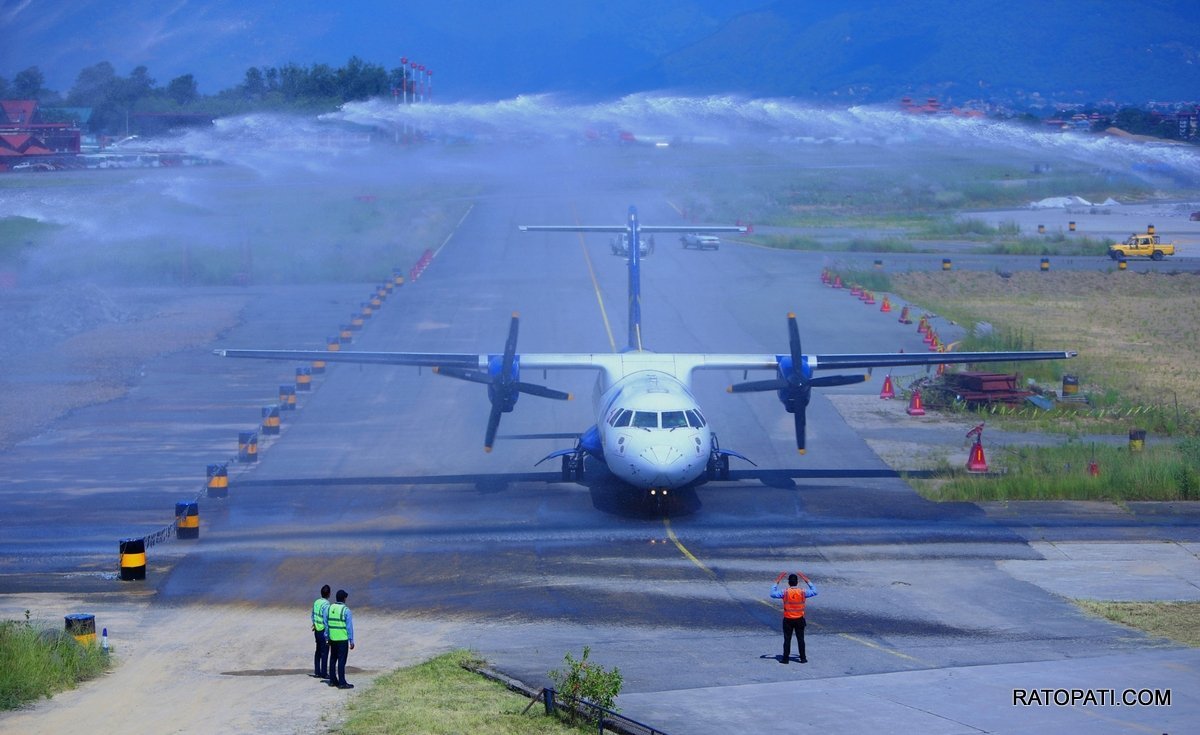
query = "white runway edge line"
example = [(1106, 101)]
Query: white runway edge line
[(454, 231)]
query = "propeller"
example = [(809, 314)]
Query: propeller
[(793, 385), (503, 385)]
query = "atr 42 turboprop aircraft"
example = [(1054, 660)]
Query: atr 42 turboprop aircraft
[(649, 429)]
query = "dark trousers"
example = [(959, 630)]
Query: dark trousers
[(321, 657), (793, 625), (338, 651)]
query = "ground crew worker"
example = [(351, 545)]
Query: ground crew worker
[(339, 631), (793, 612), (321, 656)]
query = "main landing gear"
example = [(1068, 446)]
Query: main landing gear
[(572, 466)]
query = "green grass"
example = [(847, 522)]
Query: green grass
[(39, 662), (1174, 620), (441, 697), (1159, 472)]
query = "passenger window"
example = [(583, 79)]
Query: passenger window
[(674, 420), (694, 420), (645, 420), (623, 418)]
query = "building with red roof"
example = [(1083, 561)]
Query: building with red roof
[(25, 137)]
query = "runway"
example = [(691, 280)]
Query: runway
[(379, 483)]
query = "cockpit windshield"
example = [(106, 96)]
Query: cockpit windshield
[(622, 417)]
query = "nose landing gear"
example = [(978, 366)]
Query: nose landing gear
[(718, 463)]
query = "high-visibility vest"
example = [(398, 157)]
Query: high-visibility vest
[(337, 622), (793, 603), (318, 613)]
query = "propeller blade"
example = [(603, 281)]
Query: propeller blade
[(510, 349), (473, 376), (755, 386), (493, 423), (800, 425), (542, 391), (794, 343), (829, 381)]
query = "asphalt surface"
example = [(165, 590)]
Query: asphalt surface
[(929, 615)]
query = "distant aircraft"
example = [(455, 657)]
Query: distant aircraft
[(649, 429)]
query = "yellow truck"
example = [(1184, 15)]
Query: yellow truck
[(1143, 245)]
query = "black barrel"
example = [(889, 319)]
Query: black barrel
[(133, 559), (1137, 440), (82, 626), (187, 520), (218, 481), (270, 420)]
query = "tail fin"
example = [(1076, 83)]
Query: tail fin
[(635, 282)]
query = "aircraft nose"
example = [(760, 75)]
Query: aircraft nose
[(667, 465)]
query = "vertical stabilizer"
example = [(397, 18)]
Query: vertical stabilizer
[(635, 282)]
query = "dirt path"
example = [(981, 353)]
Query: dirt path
[(209, 669)]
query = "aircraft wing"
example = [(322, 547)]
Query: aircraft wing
[(534, 360), (896, 359), (625, 228)]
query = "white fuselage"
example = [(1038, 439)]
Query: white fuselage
[(653, 433)]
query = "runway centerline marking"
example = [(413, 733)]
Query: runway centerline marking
[(595, 284), (683, 549)]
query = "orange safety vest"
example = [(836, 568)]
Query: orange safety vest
[(793, 602)]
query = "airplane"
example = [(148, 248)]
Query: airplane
[(649, 429)]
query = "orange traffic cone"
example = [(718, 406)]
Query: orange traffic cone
[(825, 276), (941, 369), (887, 305), (923, 325), (868, 298), (914, 404), (837, 281), (977, 462), (1094, 468), (855, 290), (904, 318), (888, 390)]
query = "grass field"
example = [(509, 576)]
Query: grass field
[(440, 697), (1138, 335), (1174, 620), (39, 662)]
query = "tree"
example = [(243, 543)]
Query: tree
[(182, 89), (4, 88), (253, 87), (93, 85), (28, 84)]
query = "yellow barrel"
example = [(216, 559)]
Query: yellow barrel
[(1149, 229), (218, 481), (1137, 440), (133, 559), (356, 321), (1122, 264), (187, 519), (1071, 226), (345, 334), (83, 627), (1070, 385), (270, 420), (1041, 229), (333, 344), (398, 277), (1045, 264), (945, 264), (878, 263), (303, 378), (365, 310), (247, 446), (376, 303), (318, 367)]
